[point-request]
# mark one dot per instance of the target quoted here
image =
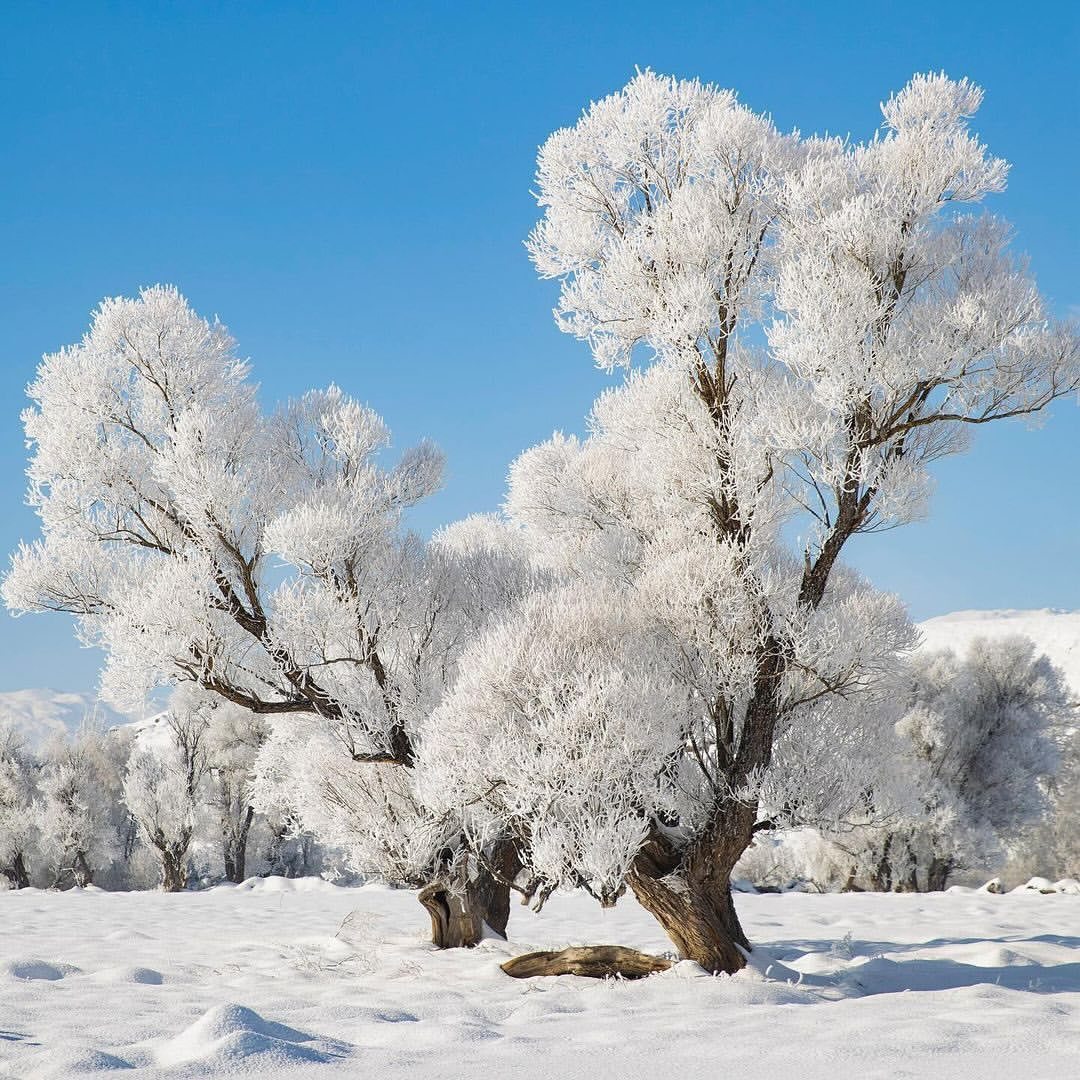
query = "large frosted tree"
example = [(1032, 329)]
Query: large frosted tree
[(258, 557), (814, 322)]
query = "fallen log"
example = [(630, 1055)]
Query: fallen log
[(592, 961)]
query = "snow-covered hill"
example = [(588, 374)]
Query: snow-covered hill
[(1055, 633), (39, 715)]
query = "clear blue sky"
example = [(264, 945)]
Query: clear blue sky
[(347, 187)]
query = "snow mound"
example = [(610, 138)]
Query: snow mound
[(142, 976), (1045, 886), (277, 884), (76, 1062), (228, 1034), (38, 970), (1055, 633)]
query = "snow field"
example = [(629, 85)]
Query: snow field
[(278, 978)]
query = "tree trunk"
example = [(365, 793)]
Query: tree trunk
[(592, 961), (937, 875), (881, 875), (479, 897), (690, 895), (81, 870), (701, 921), (173, 871), (235, 852), (16, 872)]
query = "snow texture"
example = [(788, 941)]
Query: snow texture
[(252, 980)]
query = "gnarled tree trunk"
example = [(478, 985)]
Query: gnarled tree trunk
[(690, 895), (478, 897)]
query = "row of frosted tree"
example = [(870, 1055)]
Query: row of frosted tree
[(654, 653), (170, 802), (982, 775)]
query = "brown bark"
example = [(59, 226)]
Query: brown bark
[(690, 896), (476, 899), (592, 961)]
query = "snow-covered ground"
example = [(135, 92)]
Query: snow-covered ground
[(280, 978)]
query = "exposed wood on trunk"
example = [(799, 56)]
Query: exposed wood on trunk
[(479, 898), (592, 961)]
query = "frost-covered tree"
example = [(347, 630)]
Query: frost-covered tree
[(819, 322), (74, 809), (1050, 847), (260, 558), (474, 570), (18, 826), (981, 737), (233, 741), (164, 495), (163, 786)]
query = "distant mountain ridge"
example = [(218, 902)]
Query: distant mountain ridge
[(40, 714)]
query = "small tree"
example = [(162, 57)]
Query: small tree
[(234, 738), (18, 829), (162, 788), (74, 811)]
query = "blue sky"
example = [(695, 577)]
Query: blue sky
[(348, 187)]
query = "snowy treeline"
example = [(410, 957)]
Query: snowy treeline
[(167, 803), (654, 655), (983, 749), (986, 747)]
